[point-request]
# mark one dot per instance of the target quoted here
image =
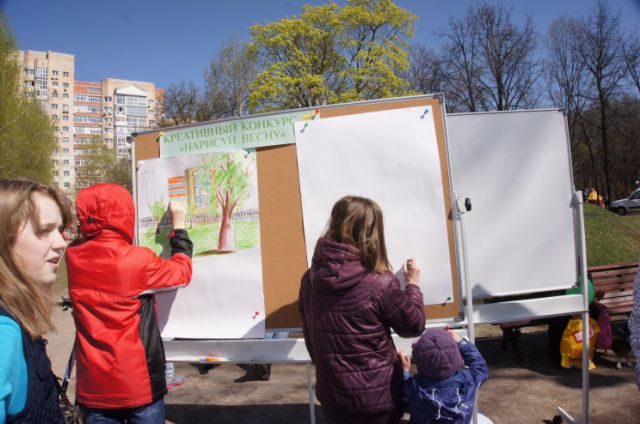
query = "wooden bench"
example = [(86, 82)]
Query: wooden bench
[(615, 282), (613, 285)]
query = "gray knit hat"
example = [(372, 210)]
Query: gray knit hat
[(437, 355)]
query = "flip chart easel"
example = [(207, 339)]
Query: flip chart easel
[(494, 155), (284, 261)]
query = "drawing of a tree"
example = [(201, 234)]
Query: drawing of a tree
[(227, 177), (157, 209)]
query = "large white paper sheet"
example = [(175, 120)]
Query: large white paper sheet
[(225, 297), (391, 157), (516, 168)]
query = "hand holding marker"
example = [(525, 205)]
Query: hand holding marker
[(411, 271)]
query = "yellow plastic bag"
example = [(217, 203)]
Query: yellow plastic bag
[(571, 344)]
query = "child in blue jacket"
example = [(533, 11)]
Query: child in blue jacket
[(450, 371)]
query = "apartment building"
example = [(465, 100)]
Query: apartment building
[(84, 113), (110, 111), (49, 76)]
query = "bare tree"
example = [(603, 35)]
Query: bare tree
[(461, 64), (564, 71), (227, 82), (632, 60), (507, 54), (425, 71), (181, 103), (488, 61), (601, 47)]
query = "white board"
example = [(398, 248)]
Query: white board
[(392, 158), (516, 168)]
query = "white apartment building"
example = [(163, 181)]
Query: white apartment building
[(49, 76), (83, 112)]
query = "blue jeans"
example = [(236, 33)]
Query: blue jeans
[(148, 414)]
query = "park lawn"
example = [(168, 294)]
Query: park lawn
[(611, 238)]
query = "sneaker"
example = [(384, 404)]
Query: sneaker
[(175, 381)]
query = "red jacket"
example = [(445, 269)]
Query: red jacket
[(348, 313), (119, 353)]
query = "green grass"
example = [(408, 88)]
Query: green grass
[(204, 237), (611, 238)]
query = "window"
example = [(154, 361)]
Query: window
[(65, 73), (65, 118), (54, 83), (108, 99), (66, 173), (54, 94), (67, 184), (65, 151), (65, 85), (41, 72), (87, 109), (29, 70), (94, 89), (87, 98), (41, 83), (65, 162), (65, 108), (65, 95), (88, 119), (54, 73), (55, 173), (54, 106), (65, 139), (65, 129)]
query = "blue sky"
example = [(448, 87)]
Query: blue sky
[(166, 41)]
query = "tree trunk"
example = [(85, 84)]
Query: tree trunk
[(225, 237)]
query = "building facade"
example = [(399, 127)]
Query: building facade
[(87, 113), (49, 77), (109, 112)]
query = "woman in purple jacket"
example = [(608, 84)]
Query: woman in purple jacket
[(349, 302)]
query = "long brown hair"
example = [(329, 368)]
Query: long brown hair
[(358, 221), (25, 299)]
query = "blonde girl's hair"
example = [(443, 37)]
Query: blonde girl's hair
[(26, 300), (358, 221)]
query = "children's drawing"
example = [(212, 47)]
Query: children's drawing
[(220, 194)]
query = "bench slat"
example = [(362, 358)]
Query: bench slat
[(613, 266)]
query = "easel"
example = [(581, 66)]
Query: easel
[(534, 308)]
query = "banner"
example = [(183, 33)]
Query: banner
[(244, 133)]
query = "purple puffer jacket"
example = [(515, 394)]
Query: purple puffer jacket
[(347, 313)]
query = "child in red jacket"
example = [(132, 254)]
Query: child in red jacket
[(120, 357)]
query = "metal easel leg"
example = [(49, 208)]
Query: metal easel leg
[(582, 252)]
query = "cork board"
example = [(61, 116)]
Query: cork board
[(284, 258)]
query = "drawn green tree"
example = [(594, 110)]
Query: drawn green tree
[(157, 209), (227, 177)]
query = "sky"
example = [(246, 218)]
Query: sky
[(167, 41)]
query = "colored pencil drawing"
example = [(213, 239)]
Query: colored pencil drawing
[(219, 191)]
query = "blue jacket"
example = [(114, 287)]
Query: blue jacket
[(449, 400)]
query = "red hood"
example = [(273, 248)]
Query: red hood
[(105, 207)]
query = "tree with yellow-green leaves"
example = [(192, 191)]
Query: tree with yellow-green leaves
[(26, 134), (330, 54)]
